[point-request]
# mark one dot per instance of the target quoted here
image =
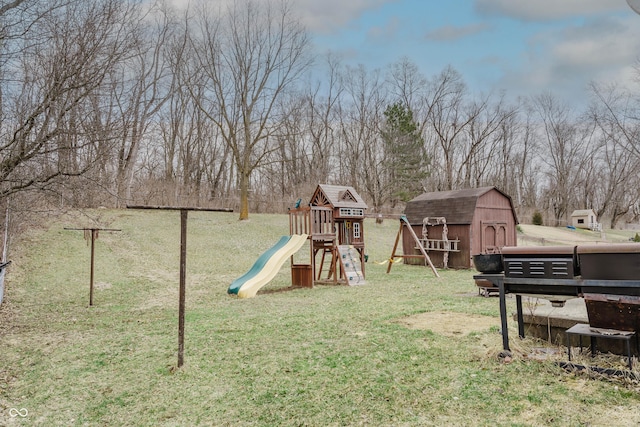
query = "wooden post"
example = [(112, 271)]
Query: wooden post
[(395, 246), (93, 251), (424, 252), (94, 237), (183, 265), (183, 274), (404, 222)]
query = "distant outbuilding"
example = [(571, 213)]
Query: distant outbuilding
[(585, 218), (478, 220)]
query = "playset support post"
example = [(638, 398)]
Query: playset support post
[(404, 222)]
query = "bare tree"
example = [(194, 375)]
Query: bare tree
[(306, 152), (322, 120), (291, 165), (53, 65), (566, 145), (616, 116), (487, 117), (140, 87), (409, 86), (194, 157), (515, 172), (249, 57), (361, 113), (614, 109), (616, 191), (448, 120)]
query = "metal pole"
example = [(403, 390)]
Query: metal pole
[(503, 314), (93, 240), (520, 316), (183, 264), (94, 236), (183, 269)]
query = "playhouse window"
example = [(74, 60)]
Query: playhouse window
[(351, 212), (356, 230), (581, 221)]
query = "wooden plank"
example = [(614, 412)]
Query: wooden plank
[(439, 245), (179, 208)]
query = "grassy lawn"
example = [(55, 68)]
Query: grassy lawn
[(328, 356)]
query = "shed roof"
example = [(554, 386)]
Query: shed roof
[(458, 206), (583, 212), (338, 196)]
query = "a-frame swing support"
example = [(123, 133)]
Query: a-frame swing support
[(404, 222)]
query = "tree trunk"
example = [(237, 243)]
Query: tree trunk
[(244, 196)]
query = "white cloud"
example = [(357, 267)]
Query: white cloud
[(327, 15), (320, 16), (566, 61), (544, 10)]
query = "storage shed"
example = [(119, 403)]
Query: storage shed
[(585, 218), (482, 220)]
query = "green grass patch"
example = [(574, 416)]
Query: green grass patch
[(330, 356)]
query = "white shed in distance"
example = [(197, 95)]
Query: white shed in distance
[(585, 218)]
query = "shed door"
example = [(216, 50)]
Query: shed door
[(494, 236)]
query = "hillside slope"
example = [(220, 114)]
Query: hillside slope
[(538, 235)]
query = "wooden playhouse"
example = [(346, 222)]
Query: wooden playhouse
[(334, 221), (455, 225)]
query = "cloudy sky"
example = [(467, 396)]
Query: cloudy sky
[(521, 46)]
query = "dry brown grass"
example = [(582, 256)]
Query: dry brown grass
[(449, 324)]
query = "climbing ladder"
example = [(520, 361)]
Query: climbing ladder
[(351, 265)]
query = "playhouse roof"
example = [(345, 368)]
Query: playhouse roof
[(338, 196), (458, 206)]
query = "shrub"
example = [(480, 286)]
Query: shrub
[(636, 238), (537, 218)]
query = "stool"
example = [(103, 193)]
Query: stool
[(583, 329)]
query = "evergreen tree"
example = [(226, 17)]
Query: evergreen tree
[(406, 161)]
